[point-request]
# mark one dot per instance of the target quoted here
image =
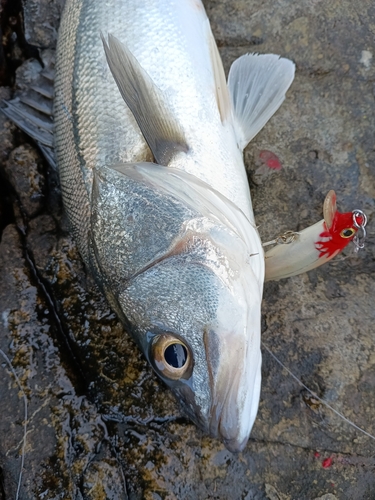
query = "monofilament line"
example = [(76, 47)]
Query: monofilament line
[(316, 396), (25, 420)]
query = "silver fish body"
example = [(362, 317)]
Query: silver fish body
[(173, 245)]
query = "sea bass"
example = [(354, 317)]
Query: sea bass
[(149, 140), (173, 243)]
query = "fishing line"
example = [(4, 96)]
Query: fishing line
[(25, 421), (316, 396)]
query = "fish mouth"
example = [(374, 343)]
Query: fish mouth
[(233, 420), (235, 382)]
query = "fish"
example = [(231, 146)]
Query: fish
[(149, 140)]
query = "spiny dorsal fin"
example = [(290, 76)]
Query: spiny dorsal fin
[(257, 85), (221, 89), (161, 131)]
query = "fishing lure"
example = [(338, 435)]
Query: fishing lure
[(298, 252)]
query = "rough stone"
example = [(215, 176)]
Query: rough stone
[(328, 496), (24, 172), (41, 21), (27, 73), (7, 144), (6, 128), (64, 430), (102, 426)]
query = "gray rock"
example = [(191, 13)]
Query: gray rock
[(24, 172), (41, 21), (6, 128), (328, 496), (27, 74), (64, 431)]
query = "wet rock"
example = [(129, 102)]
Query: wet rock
[(41, 240), (7, 143), (24, 172), (328, 496), (273, 494), (3, 68), (41, 21), (64, 431), (19, 310), (6, 128), (27, 74), (11, 39), (103, 480)]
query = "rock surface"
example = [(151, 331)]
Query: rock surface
[(24, 172), (100, 425)]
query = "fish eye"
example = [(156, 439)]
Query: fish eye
[(347, 233), (176, 355), (171, 357)]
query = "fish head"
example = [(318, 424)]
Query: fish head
[(193, 303), (201, 335)]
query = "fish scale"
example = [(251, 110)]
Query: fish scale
[(81, 95), (75, 196), (116, 137)]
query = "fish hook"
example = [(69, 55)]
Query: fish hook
[(359, 221)]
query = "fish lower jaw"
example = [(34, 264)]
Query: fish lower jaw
[(232, 430), (233, 415), (234, 440)]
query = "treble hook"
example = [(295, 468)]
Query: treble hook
[(359, 238)]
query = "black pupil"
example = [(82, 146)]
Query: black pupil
[(348, 232), (175, 355)]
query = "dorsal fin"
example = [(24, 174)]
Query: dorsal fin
[(161, 130), (257, 85)]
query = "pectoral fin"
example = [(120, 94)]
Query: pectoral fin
[(190, 191), (196, 195), (132, 222), (257, 85), (161, 131), (139, 211)]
